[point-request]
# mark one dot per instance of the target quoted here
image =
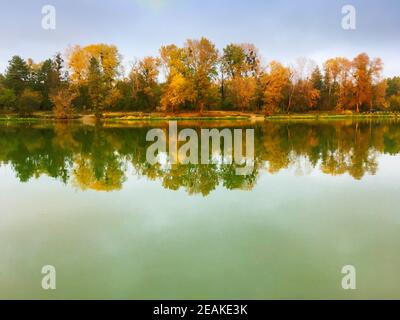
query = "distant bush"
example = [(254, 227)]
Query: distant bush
[(348, 112), (28, 102), (62, 101), (394, 103), (7, 99)]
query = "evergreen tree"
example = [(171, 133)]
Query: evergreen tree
[(17, 75)]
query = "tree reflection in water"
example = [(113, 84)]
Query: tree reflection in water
[(98, 157)]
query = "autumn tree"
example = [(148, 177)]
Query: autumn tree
[(344, 86), (332, 71), (96, 87), (144, 83), (62, 100), (393, 93), (317, 82), (365, 72), (379, 95), (274, 81), (240, 68), (79, 61), (243, 92), (178, 89), (94, 70), (302, 96), (47, 77), (200, 60)]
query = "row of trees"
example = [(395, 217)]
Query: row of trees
[(195, 77)]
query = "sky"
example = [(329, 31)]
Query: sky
[(283, 30)]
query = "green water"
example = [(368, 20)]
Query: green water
[(84, 199)]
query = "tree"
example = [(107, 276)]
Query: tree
[(379, 95), (144, 82), (318, 84), (275, 81), (393, 86), (177, 90), (302, 95), (200, 60), (79, 61), (240, 60), (233, 60), (94, 70), (240, 67), (46, 78), (242, 91), (306, 96), (332, 71), (96, 87), (17, 75), (393, 93), (394, 103), (344, 89), (365, 73)]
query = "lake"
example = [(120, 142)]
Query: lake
[(84, 199)]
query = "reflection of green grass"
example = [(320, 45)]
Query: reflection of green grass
[(18, 119)]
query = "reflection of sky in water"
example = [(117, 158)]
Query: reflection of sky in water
[(288, 237)]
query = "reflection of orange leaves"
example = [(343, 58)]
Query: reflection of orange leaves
[(64, 136), (313, 140), (84, 176)]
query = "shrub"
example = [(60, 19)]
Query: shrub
[(7, 99), (394, 103), (62, 101), (28, 102)]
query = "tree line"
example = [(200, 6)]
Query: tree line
[(194, 78)]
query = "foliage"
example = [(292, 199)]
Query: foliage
[(62, 101), (195, 77), (17, 75), (7, 99), (28, 102)]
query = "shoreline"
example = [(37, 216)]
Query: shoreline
[(206, 116)]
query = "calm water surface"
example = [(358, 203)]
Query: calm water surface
[(83, 198)]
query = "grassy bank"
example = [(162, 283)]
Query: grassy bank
[(206, 116), (334, 116)]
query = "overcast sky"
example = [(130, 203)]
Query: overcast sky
[(282, 29)]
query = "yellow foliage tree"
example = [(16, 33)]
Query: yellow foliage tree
[(274, 82), (106, 55)]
